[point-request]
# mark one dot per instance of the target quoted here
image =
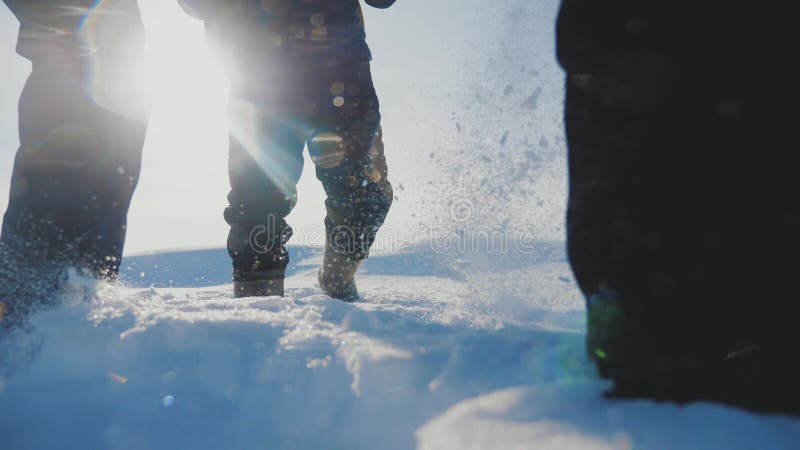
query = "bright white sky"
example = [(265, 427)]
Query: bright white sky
[(432, 60)]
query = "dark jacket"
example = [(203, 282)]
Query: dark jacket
[(303, 26)]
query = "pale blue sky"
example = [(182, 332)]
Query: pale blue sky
[(454, 76)]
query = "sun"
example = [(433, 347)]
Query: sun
[(184, 180), (185, 79)]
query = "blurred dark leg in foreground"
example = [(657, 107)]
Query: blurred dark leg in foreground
[(682, 217), (82, 127)]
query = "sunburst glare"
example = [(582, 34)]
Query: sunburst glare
[(184, 176), (185, 78)]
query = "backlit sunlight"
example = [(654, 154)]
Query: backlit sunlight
[(184, 170)]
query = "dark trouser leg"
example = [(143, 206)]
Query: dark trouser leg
[(81, 139), (266, 145), (266, 159), (266, 150), (347, 150), (641, 243), (681, 213)]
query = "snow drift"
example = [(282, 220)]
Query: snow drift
[(464, 358)]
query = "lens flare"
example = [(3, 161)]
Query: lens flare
[(116, 377), (247, 130), (110, 35), (168, 401)]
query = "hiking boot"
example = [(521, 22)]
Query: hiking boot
[(257, 284), (337, 275)]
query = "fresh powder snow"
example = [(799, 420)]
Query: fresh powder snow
[(467, 356)]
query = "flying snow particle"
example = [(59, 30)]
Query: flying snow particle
[(532, 102), (504, 139)]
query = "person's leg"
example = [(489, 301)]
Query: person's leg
[(265, 163), (347, 149), (82, 130), (267, 138), (674, 222)]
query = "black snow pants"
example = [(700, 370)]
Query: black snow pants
[(683, 215), (82, 121), (280, 102)]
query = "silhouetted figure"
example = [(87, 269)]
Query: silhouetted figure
[(300, 73), (82, 128), (683, 212)]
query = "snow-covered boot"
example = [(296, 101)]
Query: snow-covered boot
[(252, 284), (337, 274)]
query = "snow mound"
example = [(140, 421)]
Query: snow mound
[(491, 359)]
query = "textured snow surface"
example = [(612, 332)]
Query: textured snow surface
[(470, 359)]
